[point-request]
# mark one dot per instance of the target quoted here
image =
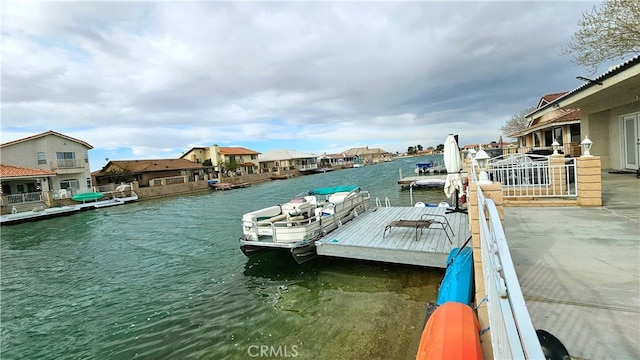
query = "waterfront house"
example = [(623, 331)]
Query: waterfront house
[(278, 160), (366, 155), (149, 172), (609, 114), (226, 160), (56, 163), (558, 124)]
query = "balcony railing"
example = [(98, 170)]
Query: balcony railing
[(67, 163)]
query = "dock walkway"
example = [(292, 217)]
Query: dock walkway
[(372, 236)]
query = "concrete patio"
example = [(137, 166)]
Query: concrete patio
[(579, 270)]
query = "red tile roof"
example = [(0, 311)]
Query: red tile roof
[(139, 166), (237, 151), (10, 171), (46, 133), (567, 116), (550, 97)]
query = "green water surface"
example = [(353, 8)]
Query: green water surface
[(165, 279)]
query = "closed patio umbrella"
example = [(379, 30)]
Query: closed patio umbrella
[(453, 182)]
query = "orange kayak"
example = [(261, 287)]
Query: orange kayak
[(452, 332)]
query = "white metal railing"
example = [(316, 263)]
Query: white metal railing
[(512, 333), (67, 163), (24, 197), (534, 176), (307, 167)]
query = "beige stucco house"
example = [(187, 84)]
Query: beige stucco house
[(561, 125), (285, 159), (609, 114), (367, 155), (224, 158), (61, 164), (148, 172)]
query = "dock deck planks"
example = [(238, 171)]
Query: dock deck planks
[(364, 238)]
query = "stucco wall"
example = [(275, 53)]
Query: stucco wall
[(24, 154), (605, 130), (169, 190)]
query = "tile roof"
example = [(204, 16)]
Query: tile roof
[(139, 166), (46, 133), (10, 171), (598, 80), (284, 154), (364, 151), (567, 116), (237, 151), (549, 98)]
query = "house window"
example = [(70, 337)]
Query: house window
[(548, 138), (89, 183), (536, 139), (574, 130), (66, 159), (557, 135), (42, 158), (70, 184)]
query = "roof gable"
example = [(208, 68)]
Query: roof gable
[(546, 99), (44, 134)]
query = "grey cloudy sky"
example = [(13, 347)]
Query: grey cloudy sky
[(153, 79)]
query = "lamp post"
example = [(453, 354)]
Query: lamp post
[(472, 154), (556, 146), (482, 158), (586, 146)]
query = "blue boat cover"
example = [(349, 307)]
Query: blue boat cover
[(457, 284), (426, 165), (333, 190)]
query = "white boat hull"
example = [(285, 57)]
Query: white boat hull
[(299, 223)]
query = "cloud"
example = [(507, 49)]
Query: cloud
[(155, 78)]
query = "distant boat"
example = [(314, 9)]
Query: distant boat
[(323, 170), (88, 196), (423, 167), (280, 177), (358, 165)]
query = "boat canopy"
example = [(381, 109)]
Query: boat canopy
[(333, 190), (425, 165)]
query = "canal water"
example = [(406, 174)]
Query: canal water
[(165, 279)]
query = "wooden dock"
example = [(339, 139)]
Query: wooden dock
[(371, 236)]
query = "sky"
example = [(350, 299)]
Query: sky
[(151, 80)]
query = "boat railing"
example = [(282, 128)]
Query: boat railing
[(362, 201), (512, 333)]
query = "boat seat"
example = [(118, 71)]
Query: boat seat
[(423, 223)]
